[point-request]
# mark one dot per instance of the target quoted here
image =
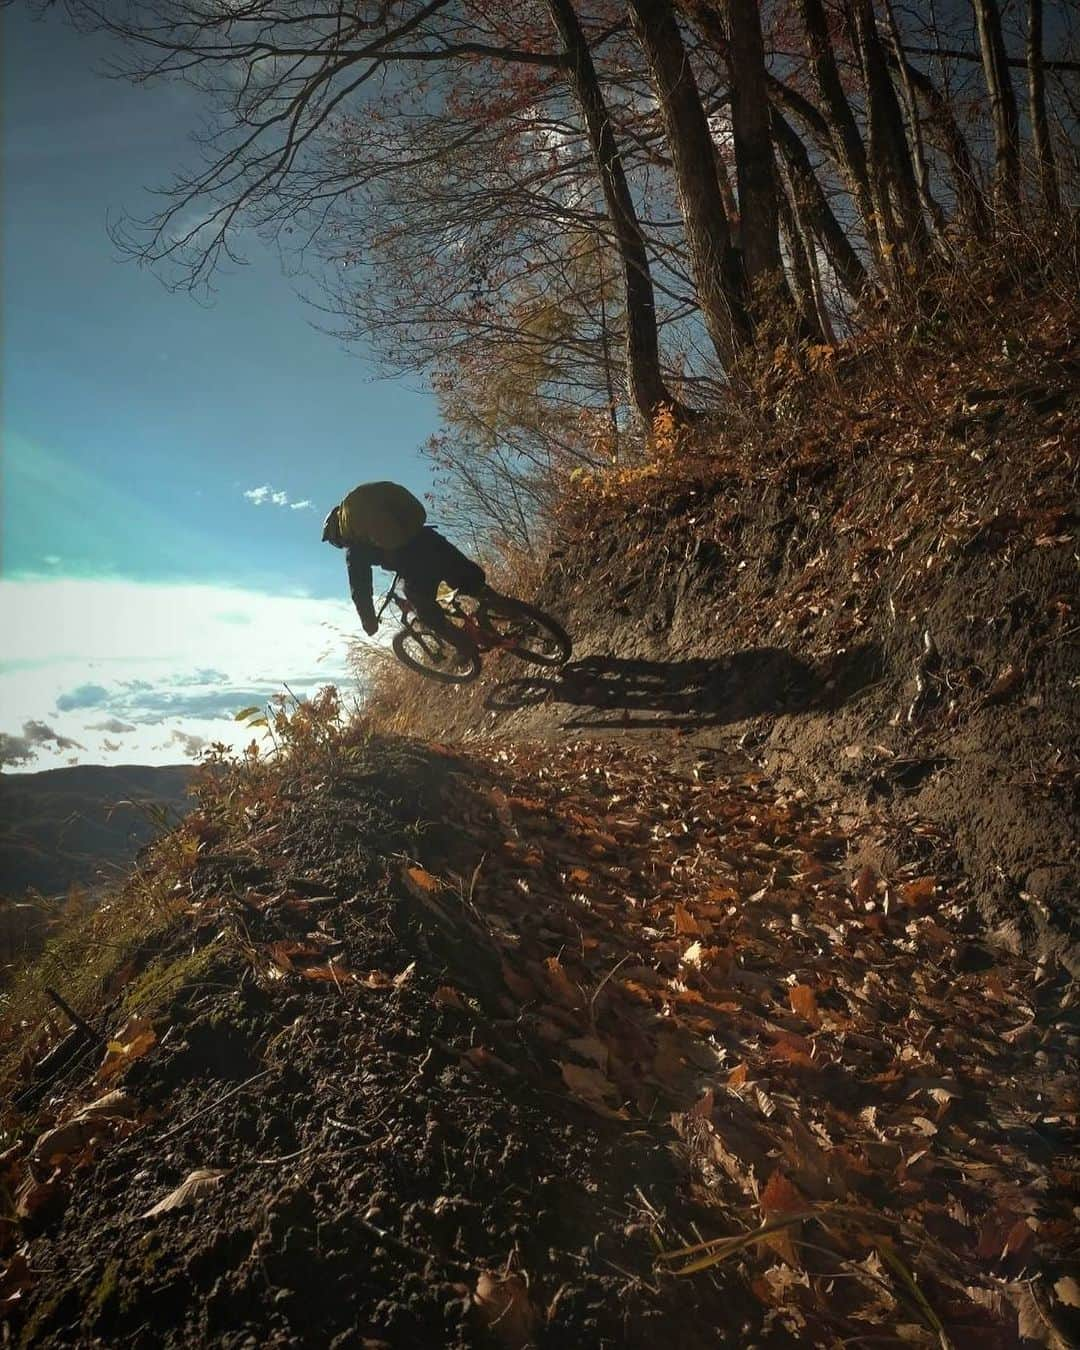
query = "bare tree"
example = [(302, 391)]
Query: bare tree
[(1040, 127), (1002, 104), (647, 387), (716, 266)]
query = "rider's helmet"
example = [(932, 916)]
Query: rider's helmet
[(331, 529)]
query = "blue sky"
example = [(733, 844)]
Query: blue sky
[(135, 420)]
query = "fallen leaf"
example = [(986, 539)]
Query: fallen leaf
[(63, 1140), (563, 990), (917, 892), (593, 1088), (35, 1196), (802, 1000), (114, 1104), (781, 1197), (685, 923), (133, 1040), (591, 1048), (1068, 1291), (16, 1279), (865, 885), (196, 1185), (505, 1307), (448, 997)]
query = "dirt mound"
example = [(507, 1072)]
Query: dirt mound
[(524, 1048)]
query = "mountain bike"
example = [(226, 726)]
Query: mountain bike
[(494, 622)]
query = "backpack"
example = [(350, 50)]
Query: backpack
[(384, 514)]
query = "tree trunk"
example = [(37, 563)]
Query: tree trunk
[(970, 202), (815, 209), (754, 166), (1040, 127), (914, 125), (892, 177), (848, 147), (802, 281), (648, 391), (714, 263), (1002, 104)]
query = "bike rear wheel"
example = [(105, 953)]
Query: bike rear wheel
[(430, 656), (527, 631)]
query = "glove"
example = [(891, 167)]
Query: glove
[(371, 626)]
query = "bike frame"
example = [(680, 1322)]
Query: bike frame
[(484, 638)]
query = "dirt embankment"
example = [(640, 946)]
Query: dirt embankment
[(886, 616)]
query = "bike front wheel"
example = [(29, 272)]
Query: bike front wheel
[(433, 658), (526, 631)]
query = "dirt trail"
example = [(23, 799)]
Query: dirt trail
[(474, 1038)]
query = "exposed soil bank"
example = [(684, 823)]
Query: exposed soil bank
[(883, 623)]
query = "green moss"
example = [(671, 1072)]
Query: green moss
[(106, 1289), (165, 978), (42, 1316)]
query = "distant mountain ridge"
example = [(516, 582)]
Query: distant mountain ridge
[(63, 825)]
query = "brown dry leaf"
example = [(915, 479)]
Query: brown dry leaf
[(1033, 1320), (34, 1196), (591, 1048), (519, 985), (917, 892), (132, 1041), (113, 1105), (196, 1185), (421, 882), (738, 1076), (802, 1000), (330, 973), (63, 1140), (593, 1088), (488, 1063), (15, 1281), (685, 923), (1068, 1291), (781, 1197), (864, 887), (505, 1307), (562, 989), (1006, 680)]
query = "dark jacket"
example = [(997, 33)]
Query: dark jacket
[(422, 563)]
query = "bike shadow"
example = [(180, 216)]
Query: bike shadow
[(616, 692)]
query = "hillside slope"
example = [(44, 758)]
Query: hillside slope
[(873, 595), (420, 1047), (64, 825)]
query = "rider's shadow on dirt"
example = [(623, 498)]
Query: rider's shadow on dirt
[(629, 691)]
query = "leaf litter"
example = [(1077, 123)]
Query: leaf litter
[(870, 1133)]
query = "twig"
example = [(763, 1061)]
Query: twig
[(596, 993), (85, 1027), (176, 1129)]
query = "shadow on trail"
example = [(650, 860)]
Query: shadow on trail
[(696, 693)]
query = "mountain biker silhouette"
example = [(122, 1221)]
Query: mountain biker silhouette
[(382, 524)]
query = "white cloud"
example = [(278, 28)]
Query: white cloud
[(266, 493), (164, 664)]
